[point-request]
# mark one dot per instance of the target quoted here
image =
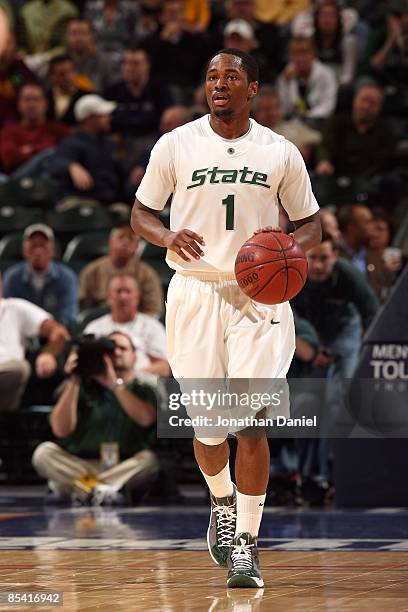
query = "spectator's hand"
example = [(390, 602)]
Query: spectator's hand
[(45, 365), (27, 149), (81, 178), (289, 72), (268, 228), (109, 377), (70, 365), (395, 31), (137, 174), (323, 358), (324, 168), (171, 30), (185, 241)]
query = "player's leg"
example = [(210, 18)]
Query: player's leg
[(196, 354), (260, 345), (212, 456), (252, 475)]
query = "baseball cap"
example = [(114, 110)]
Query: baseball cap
[(92, 104), (38, 228), (240, 27)]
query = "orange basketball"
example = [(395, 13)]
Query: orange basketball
[(271, 267)]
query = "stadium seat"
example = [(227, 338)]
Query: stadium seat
[(85, 218), (84, 248), (155, 256), (28, 192), (14, 218), (10, 250), (89, 314)]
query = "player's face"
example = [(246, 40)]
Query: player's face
[(227, 88), (321, 261)]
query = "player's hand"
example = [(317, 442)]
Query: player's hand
[(268, 228), (184, 243), (81, 178), (45, 365)]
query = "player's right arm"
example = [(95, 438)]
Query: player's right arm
[(154, 190), (145, 222)]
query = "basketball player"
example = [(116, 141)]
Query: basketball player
[(227, 175)]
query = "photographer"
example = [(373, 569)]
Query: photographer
[(105, 422)]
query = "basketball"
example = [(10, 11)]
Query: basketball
[(271, 267)]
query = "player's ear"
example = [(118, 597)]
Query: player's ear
[(253, 89)]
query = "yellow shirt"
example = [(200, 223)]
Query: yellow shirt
[(280, 12)]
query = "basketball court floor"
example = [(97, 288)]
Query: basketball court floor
[(152, 558)]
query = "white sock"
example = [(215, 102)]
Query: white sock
[(249, 513), (220, 485)]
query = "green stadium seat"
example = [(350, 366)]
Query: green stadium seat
[(15, 218), (85, 248), (89, 314), (10, 250)]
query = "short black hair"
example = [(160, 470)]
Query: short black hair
[(249, 63), (58, 59)]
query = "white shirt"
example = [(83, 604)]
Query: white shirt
[(321, 92), (148, 335), (19, 320), (224, 189)]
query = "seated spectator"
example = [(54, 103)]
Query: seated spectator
[(307, 88), (346, 305), (330, 224), (95, 71), (40, 280), (84, 164), (21, 320), (121, 259), (265, 32), (25, 145), (64, 92), (360, 144), (334, 47), (42, 24), (105, 426), (197, 15), (114, 23), (178, 56), (386, 51), (356, 225), (140, 101), (13, 74), (379, 242), (147, 334), (239, 34), (267, 111), (279, 12)]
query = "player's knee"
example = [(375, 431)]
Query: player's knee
[(211, 441)]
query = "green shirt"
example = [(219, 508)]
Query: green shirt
[(102, 419), (329, 306)]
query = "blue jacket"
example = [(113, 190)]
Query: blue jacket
[(59, 296)]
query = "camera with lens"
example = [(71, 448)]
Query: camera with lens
[(91, 351)]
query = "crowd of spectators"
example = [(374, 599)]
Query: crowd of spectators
[(87, 88)]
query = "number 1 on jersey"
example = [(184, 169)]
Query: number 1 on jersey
[(229, 203)]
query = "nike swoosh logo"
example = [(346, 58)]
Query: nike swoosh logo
[(274, 322), (261, 504)]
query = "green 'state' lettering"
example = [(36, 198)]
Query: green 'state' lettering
[(217, 175)]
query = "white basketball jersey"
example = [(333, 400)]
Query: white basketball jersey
[(224, 189)]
